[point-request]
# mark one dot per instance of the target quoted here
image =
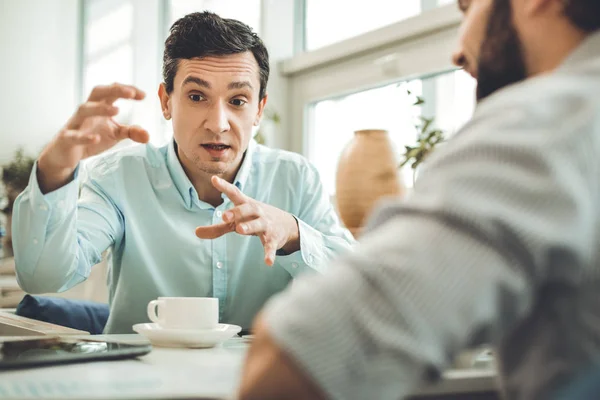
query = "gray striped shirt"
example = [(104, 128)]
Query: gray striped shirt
[(498, 243)]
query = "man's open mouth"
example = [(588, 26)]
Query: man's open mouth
[(215, 146)]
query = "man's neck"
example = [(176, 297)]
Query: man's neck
[(201, 180), (554, 51), (206, 191)]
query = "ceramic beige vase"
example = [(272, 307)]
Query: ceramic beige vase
[(367, 172)]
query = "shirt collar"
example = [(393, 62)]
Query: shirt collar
[(242, 176), (180, 179), (588, 50), (184, 185)]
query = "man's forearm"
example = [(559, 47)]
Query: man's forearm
[(43, 235), (50, 253)]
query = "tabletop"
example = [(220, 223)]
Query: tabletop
[(172, 373)]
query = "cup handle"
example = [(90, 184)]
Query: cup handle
[(152, 311)]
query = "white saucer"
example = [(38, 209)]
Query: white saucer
[(165, 337)]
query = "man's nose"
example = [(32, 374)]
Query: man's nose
[(458, 57), (217, 120)]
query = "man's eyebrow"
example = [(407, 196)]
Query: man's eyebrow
[(197, 81), (240, 85)]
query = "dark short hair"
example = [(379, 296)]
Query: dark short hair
[(584, 14), (203, 34)]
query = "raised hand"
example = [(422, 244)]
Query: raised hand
[(90, 131), (276, 228)]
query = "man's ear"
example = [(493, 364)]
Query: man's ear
[(165, 101), (261, 109)]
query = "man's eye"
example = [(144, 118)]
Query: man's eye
[(195, 97), (238, 102)]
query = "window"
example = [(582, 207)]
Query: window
[(449, 97), (102, 19), (351, 19), (247, 11), (108, 47), (361, 82), (123, 42)]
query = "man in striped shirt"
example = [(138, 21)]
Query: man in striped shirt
[(498, 243)]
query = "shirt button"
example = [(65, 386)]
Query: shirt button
[(61, 204), (294, 265), (44, 207), (219, 265), (219, 214), (35, 241)]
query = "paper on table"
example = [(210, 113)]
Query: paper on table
[(16, 325)]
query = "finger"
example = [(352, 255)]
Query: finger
[(214, 231), (242, 213), (253, 227), (234, 194), (110, 93), (91, 109), (270, 251), (133, 132), (79, 138)]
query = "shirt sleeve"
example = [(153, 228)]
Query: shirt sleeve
[(322, 237), (59, 236), (506, 205)]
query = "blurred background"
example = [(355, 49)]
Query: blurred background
[(338, 66)]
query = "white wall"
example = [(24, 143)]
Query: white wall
[(38, 71)]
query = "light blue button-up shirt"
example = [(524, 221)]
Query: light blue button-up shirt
[(140, 204)]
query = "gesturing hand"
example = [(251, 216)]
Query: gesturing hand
[(276, 228), (90, 131)]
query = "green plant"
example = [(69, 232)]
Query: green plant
[(16, 173), (15, 176), (427, 138), (268, 115)]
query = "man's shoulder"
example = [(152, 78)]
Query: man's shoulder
[(133, 159), (557, 104), (549, 97), (546, 119)]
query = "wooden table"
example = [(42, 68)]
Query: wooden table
[(183, 374)]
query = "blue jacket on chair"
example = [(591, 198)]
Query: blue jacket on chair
[(77, 314)]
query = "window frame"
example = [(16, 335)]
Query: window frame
[(94, 57), (147, 41), (368, 61)]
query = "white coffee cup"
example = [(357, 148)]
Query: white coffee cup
[(185, 312)]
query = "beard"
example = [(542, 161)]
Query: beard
[(501, 60), (211, 167)]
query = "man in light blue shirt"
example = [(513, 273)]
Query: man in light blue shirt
[(166, 212)]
